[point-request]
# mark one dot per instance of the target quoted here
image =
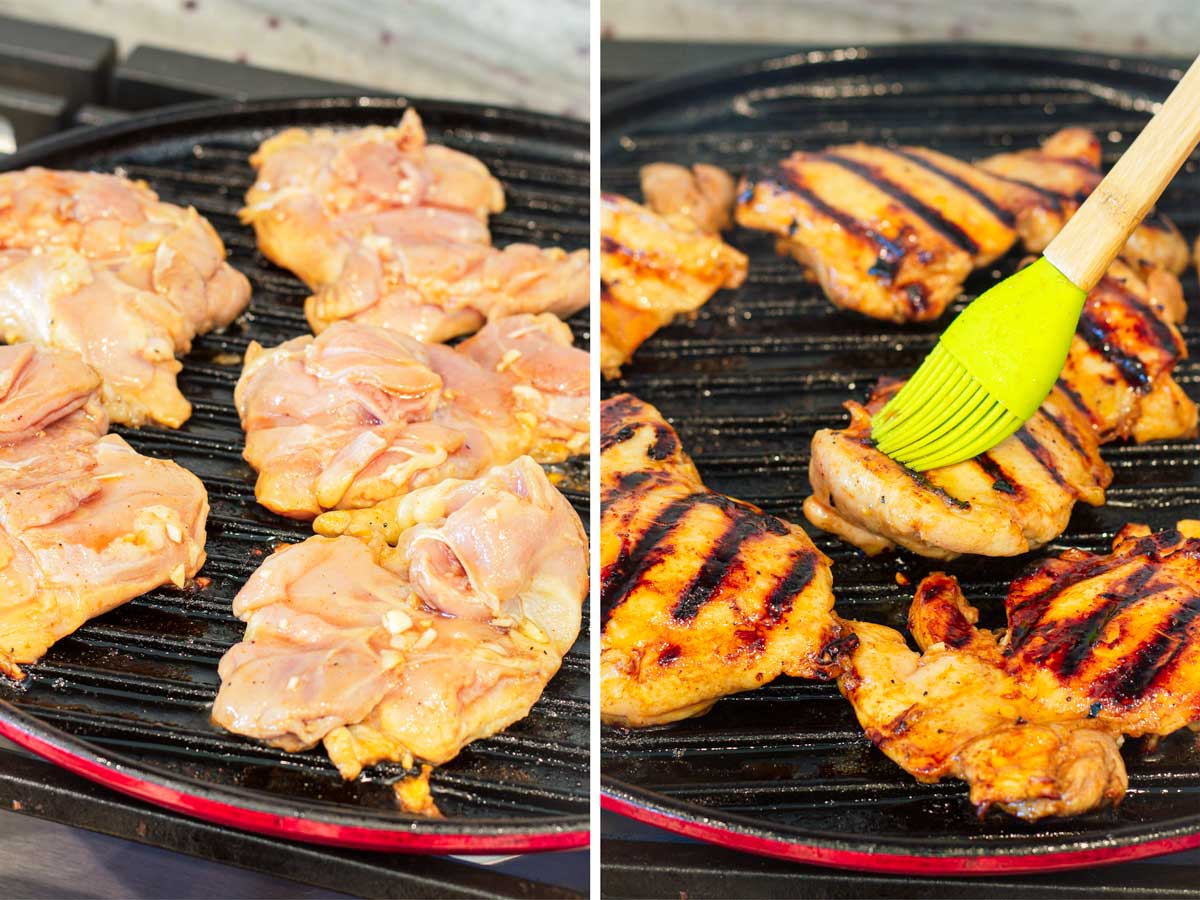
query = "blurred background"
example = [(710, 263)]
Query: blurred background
[(1157, 27), (68, 62)]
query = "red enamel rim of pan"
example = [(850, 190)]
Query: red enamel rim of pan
[(188, 798), (699, 826)]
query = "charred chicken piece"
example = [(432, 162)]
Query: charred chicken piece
[(1012, 499), (893, 233), (703, 595), (1117, 383), (653, 269), (1098, 647)]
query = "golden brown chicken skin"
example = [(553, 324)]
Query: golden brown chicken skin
[(1005, 502), (703, 595), (893, 232), (1098, 646), (1117, 383), (1119, 369), (655, 267), (701, 196), (889, 233), (1045, 185)]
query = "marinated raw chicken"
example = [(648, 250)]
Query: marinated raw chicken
[(86, 522), (360, 413), (1117, 383), (453, 608), (653, 269), (893, 233), (703, 595), (1097, 647), (391, 230), (1012, 499), (552, 379), (98, 265)]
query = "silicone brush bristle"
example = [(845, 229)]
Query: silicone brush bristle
[(941, 416), (987, 374)]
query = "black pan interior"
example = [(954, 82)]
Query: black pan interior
[(761, 368), (139, 682)]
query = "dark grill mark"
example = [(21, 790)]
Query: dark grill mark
[(1068, 434), (925, 484), (917, 299), (1076, 400), (742, 523), (1076, 639), (917, 478), (630, 568), (938, 590), (1150, 327), (665, 443), (984, 200), (1054, 199), (890, 253), (1096, 334), (669, 655), (1042, 454), (995, 471), (799, 576), (612, 438), (932, 217), (1139, 671)]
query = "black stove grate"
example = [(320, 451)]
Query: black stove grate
[(139, 682), (758, 370)]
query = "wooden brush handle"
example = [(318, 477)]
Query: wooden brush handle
[(1094, 236)]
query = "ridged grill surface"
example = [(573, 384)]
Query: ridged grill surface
[(141, 680), (760, 369)]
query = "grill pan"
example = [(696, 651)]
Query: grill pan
[(126, 699), (786, 770)]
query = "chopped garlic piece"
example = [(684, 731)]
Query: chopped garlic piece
[(425, 639), (397, 621)]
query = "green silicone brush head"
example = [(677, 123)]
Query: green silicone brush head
[(990, 371)]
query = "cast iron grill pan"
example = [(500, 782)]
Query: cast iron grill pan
[(132, 690), (786, 769)]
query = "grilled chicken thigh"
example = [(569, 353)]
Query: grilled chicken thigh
[(1097, 647), (1119, 367), (1012, 499), (701, 197), (98, 265), (703, 595), (1117, 383), (654, 267), (452, 612), (893, 233), (391, 230), (359, 413), (86, 522)]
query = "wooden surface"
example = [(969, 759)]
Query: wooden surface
[(525, 53), (1153, 27)]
